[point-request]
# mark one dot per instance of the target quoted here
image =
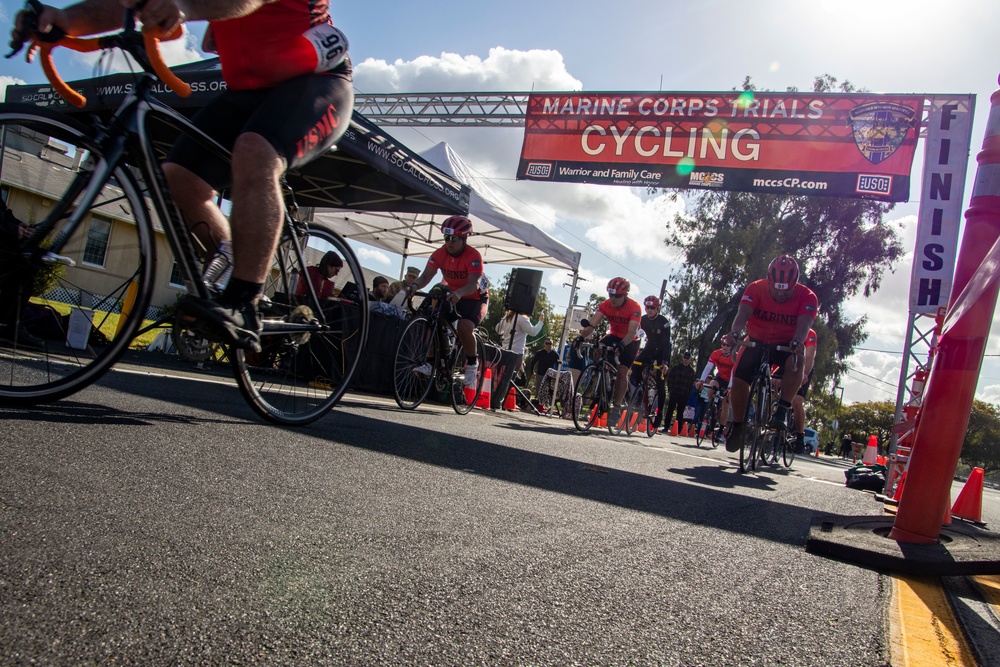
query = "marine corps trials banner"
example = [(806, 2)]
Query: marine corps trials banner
[(835, 145)]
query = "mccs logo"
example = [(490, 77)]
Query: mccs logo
[(539, 169)]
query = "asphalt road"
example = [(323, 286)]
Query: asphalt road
[(152, 520)]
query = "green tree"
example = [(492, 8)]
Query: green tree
[(843, 247), (981, 448), (861, 420), (495, 311)]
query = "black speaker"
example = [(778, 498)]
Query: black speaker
[(522, 290)]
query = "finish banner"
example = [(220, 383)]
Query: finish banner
[(834, 145)]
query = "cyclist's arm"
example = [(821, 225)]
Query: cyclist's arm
[(467, 288), (423, 279), (705, 373), (633, 327), (743, 314), (594, 320), (808, 365), (802, 329)]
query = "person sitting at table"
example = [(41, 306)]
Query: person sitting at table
[(380, 287), (321, 276)]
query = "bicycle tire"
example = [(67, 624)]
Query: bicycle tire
[(634, 411), (707, 429), (788, 442), (410, 388), (43, 151), (653, 406), (463, 401), (586, 399), (299, 377), (610, 378), (756, 413)]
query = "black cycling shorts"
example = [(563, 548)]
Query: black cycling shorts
[(750, 358), (723, 384), (628, 354), (471, 309), (301, 118)]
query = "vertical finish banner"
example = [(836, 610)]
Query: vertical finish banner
[(942, 190), (835, 145)]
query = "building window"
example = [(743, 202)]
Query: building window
[(176, 279), (96, 251)]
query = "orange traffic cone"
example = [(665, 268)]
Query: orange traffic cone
[(486, 394), (642, 426), (871, 451), (701, 431), (633, 420), (685, 433), (970, 500), (673, 428), (603, 421), (510, 403)]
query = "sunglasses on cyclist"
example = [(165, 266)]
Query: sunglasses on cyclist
[(448, 238)]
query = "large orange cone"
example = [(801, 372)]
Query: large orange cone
[(603, 421), (510, 403), (701, 431), (486, 394), (899, 487), (871, 451), (633, 420), (970, 500), (642, 426), (685, 433), (673, 428)]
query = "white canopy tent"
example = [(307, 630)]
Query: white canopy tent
[(498, 233)]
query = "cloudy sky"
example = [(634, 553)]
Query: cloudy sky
[(889, 46)]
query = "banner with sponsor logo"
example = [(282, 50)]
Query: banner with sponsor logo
[(836, 145)]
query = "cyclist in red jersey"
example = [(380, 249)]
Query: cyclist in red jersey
[(722, 361), (462, 267), (777, 310), (623, 315), (289, 98)]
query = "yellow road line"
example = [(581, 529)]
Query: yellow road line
[(923, 629), (989, 585)]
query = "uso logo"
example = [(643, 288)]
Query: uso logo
[(539, 169), (874, 184)]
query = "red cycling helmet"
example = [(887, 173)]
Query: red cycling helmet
[(782, 273), (618, 286), (652, 302), (457, 225)]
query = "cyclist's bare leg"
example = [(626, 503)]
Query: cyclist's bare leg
[(196, 200), (465, 334), (791, 379), (799, 412), (621, 380), (739, 393), (724, 411), (257, 206)]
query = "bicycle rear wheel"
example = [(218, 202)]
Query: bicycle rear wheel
[(463, 398), (758, 409), (411, 387), (587, 407), (309, 349), (86, 297), (635, 408)]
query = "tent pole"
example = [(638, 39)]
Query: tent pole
[(402, 265), (569, 311)]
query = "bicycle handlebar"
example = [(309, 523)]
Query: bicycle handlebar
[(146, 53)]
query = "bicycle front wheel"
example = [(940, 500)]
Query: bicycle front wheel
[(70, 310), (309, 348), (707, 426), (788, 441), (758, 409), (586, 399), (413, 369)]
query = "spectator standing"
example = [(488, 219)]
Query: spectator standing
[(577, 359), (680, 380), (514, 329)]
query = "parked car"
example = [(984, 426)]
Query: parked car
[(811, 440)]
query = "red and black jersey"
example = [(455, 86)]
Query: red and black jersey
[(619, 318), (456, 270), (268, 46), (773, 322)]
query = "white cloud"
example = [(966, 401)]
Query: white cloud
[(9, 81), (367, 254)]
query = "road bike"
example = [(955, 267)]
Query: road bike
[(710, 429), (431, 356), (96, 197), (643, 401), (758, 437), (594, 392)]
